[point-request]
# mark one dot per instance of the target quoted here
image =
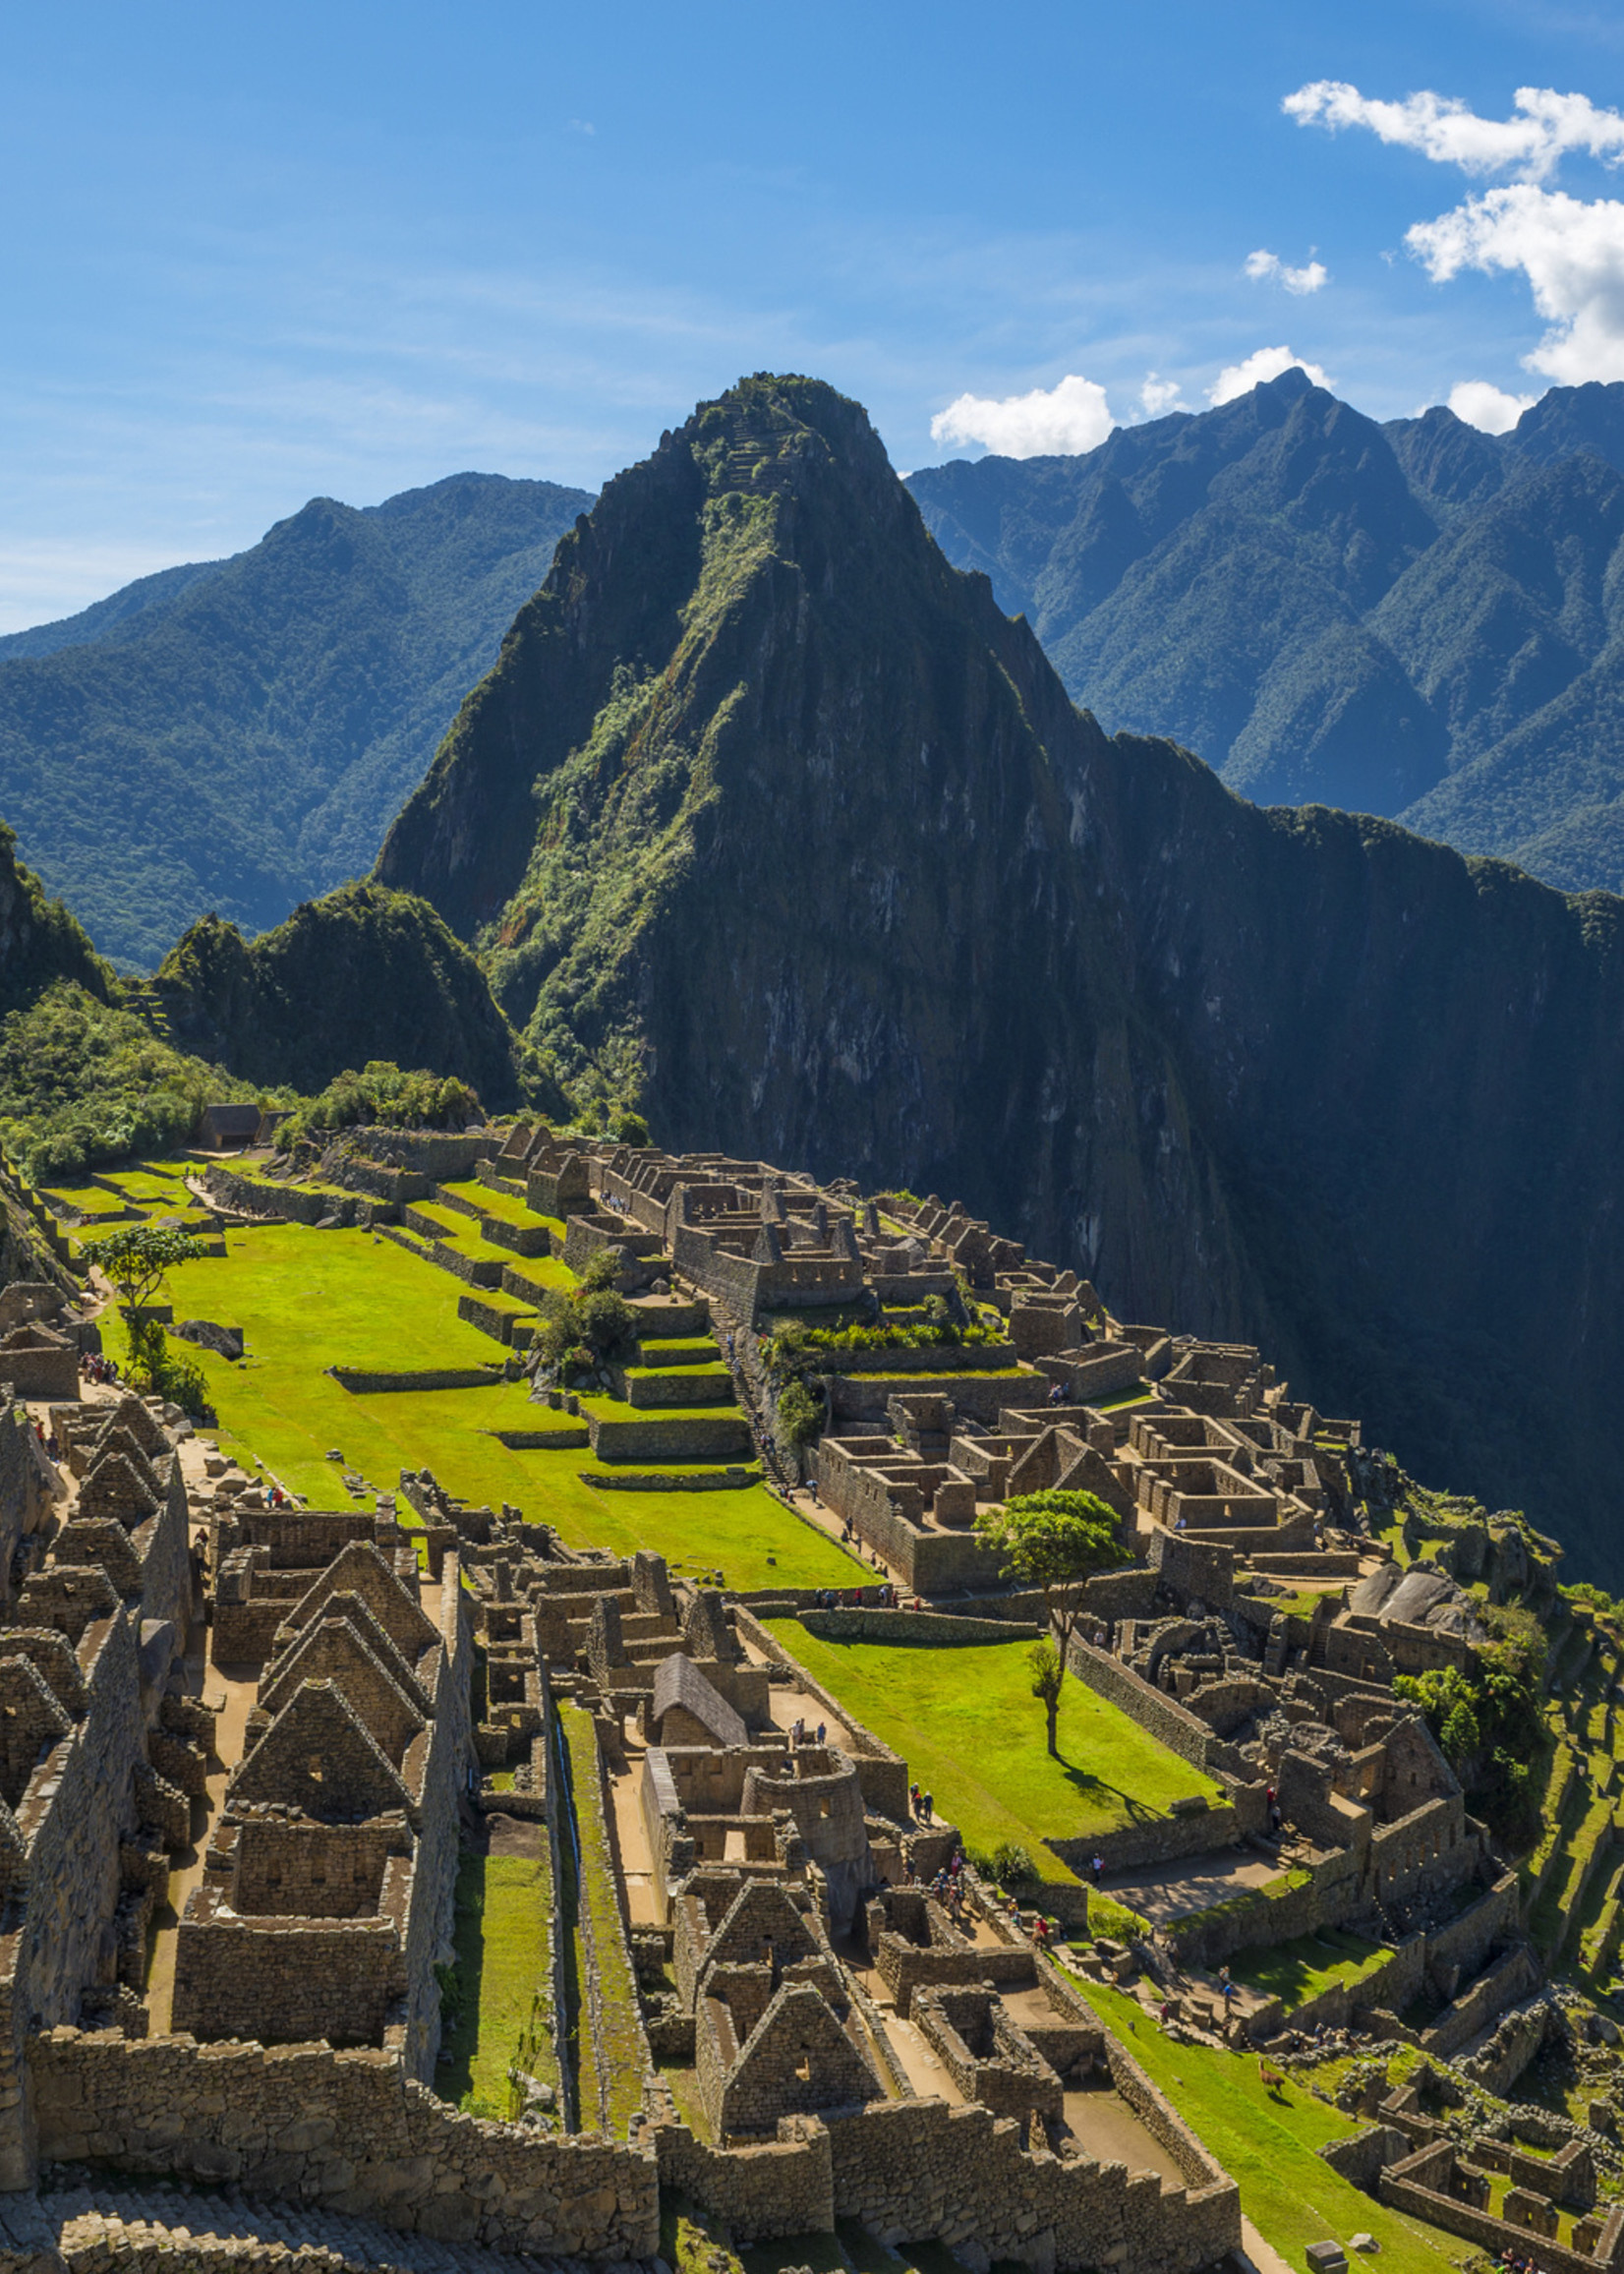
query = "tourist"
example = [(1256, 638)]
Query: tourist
[(927, 1807), (1097, 1867), (913, 1798), (822, 1729)]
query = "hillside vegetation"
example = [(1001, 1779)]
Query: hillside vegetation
[(1418, 619), (237, 734)]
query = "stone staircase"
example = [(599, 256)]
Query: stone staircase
[(128, 2227)]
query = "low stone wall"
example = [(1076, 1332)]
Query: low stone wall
[(940, 1358), (493, 1319), (367, 1382), (1159, 1716), (916, 1626), (261, 1196), (650, 1437), (905, 1966), (1159, 1839), (983, 1396), (1406, 2187), (345, 2131), (731, 1480), (1328, 1893), (1508, 1979)]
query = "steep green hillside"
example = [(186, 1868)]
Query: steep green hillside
[(237, 734), (360, 974), (770, 818), (1417, 621)]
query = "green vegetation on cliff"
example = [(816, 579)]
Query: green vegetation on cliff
[(237, 734), (84, 1084), (362, 974)]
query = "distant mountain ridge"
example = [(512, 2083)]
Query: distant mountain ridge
[(1417, 620), (770, 821), (236, 735)]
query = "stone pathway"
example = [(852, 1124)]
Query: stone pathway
[(92, 2228), (1261, 2256)]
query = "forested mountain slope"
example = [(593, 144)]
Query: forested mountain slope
[(769, 817), (1417, 621), (236, 735)]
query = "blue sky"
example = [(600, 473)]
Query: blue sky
[(251, 256)]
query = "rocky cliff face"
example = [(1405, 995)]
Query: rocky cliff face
[(770, 816)]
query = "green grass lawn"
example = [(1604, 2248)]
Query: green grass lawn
[(964, 1718), (508, 1206), (1304, 1968), (308, 1299), (88, 1199), (1267, 2145), (503, 1907), (610, 2063)]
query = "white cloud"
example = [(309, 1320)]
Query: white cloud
[(1070, 417), (1268, 268), (1571, 255), (1489, 407), (1569, 250), (1158, 395), (1546, 127), (1264, 363)]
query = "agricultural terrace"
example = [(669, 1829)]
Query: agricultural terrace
[(964, 1718), (308, 1300)]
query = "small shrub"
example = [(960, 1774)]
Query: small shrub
[(800, 1414)]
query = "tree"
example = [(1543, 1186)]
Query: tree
[(1055, 1541), (138, 1257), (1047, 1675)]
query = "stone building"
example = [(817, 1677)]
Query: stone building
[(327, 1894)]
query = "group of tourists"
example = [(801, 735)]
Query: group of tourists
[(94, 1368), (851, 1598), (921, 1803), (799, 1735), (48, 1443)]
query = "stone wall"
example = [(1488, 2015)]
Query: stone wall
[(919, 2170), (783, 2187), (724, 1437), (881, 1773), (1160, 1840), (1161, 1717), (345, 2131), (1419, 2185), (280, 1979), (860, 1625), (368, 1381), (1325, 1895), (73, 1878), (915, 2170)]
